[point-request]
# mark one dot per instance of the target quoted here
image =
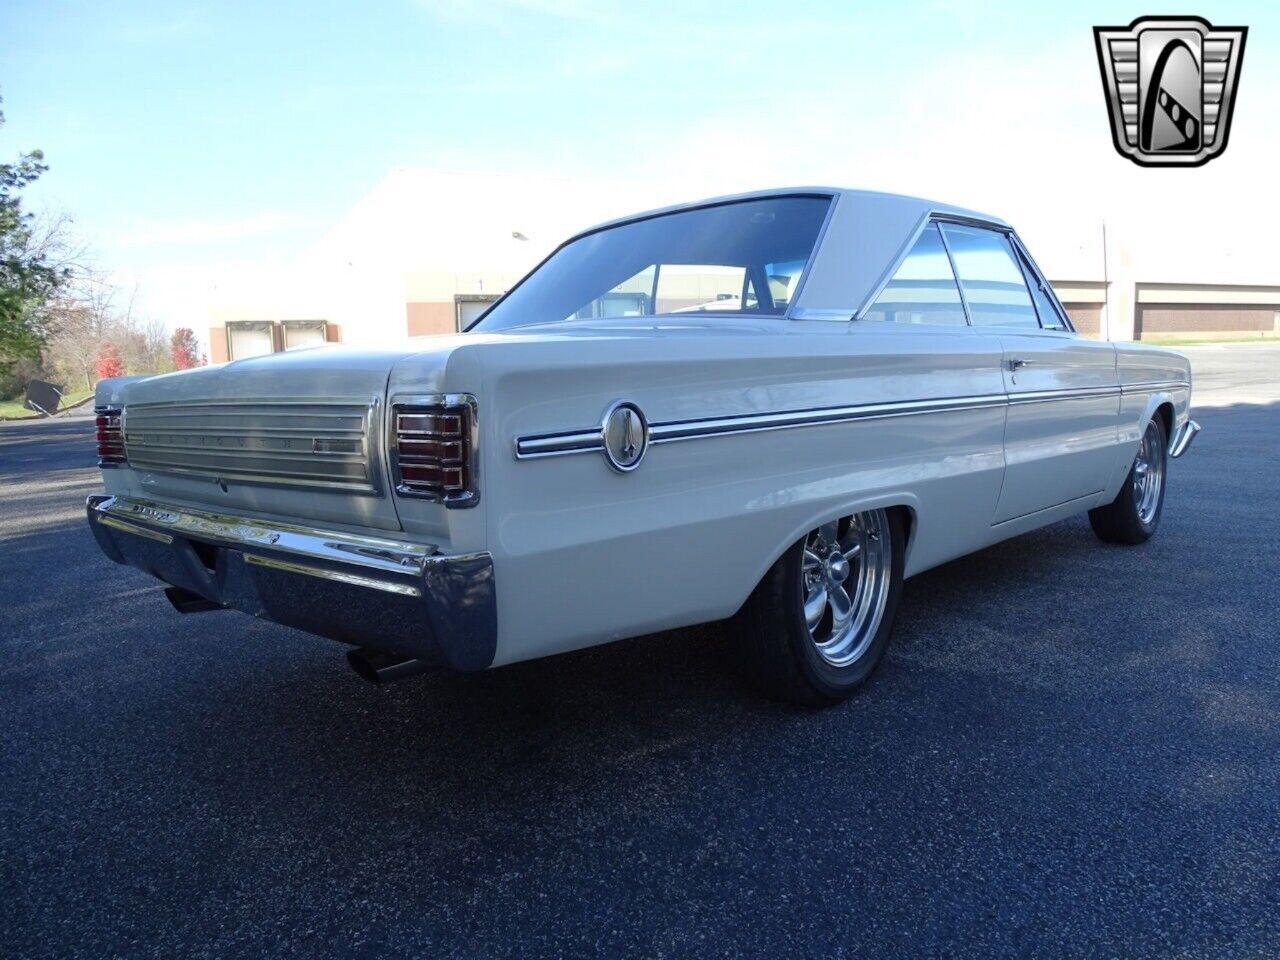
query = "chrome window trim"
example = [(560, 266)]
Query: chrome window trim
[(793, 296), (936, 217), (539, 446), (1045, 286), (955, 272), (468, 498), (1007, 232)]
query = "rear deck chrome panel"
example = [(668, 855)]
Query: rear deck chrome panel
[(306, 443)]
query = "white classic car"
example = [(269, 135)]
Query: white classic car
[(889, 384)]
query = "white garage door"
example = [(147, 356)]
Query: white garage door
[(246, 340), (470, 310)]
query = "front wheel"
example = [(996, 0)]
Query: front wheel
[(819, 622), (1132, 517)]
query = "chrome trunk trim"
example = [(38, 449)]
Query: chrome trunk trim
[(320, 444)]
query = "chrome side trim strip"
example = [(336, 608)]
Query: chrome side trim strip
[(1147, 386), (1073, 393), (384, 555), (559, 444), (273, 563), (757, 423), (592, 441)]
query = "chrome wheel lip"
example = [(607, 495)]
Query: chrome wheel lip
[(1148, 475), (845, 574)]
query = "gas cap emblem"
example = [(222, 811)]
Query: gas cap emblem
[(626, 436)]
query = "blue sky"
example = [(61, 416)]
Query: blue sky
[(204, 132)]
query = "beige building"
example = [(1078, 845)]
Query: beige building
[(426, 252)]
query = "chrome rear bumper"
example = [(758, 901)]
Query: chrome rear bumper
[(392, 595), (1182, 438)]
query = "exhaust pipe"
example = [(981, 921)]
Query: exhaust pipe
[(184, 601), (381, 668)]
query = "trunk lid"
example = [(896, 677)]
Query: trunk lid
[(298, 435)]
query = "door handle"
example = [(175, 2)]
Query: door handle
[(1018, 364)]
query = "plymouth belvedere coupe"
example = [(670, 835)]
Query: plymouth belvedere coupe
[(772, 407)]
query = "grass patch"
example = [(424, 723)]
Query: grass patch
[(13, 409)]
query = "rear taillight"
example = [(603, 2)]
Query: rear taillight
[(110, 437), (432, 449)]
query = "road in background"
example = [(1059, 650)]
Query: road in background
[(1070, 748), (1234, 373)]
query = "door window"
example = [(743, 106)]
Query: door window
[(990, 276), (1050, 316), (923, 290)]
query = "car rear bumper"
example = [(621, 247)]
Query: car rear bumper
[(401, 597)]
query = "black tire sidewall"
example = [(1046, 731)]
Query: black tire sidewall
[(829, 681), (1130, 493)]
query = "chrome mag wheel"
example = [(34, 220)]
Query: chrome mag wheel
[(1148, 475), (846, 573)]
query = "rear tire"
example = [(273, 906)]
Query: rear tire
[(819, 622), (1132, 517)]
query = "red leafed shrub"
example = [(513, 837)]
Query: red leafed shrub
[(186, 349), (109, 363)]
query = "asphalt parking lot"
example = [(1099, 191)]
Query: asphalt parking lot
[(1071, 749)]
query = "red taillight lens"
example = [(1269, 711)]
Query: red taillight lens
[(110, 437), (431, 451)]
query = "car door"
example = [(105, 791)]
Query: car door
[(1064, 398)]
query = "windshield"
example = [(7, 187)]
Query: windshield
[(734, 258)]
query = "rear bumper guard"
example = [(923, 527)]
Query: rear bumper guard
[(397, 596)]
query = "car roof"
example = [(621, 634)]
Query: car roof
[(854, 196)]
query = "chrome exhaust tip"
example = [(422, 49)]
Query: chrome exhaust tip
[(1182, 438), (380, 668)]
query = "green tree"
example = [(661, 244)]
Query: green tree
[(29, 276)]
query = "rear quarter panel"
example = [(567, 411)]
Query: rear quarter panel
[(1150, 377), (584, 554)]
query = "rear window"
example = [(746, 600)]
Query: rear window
[(734, 258)]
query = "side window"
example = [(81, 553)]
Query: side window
[(991, 277), (923, 290), (1050, 316)]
